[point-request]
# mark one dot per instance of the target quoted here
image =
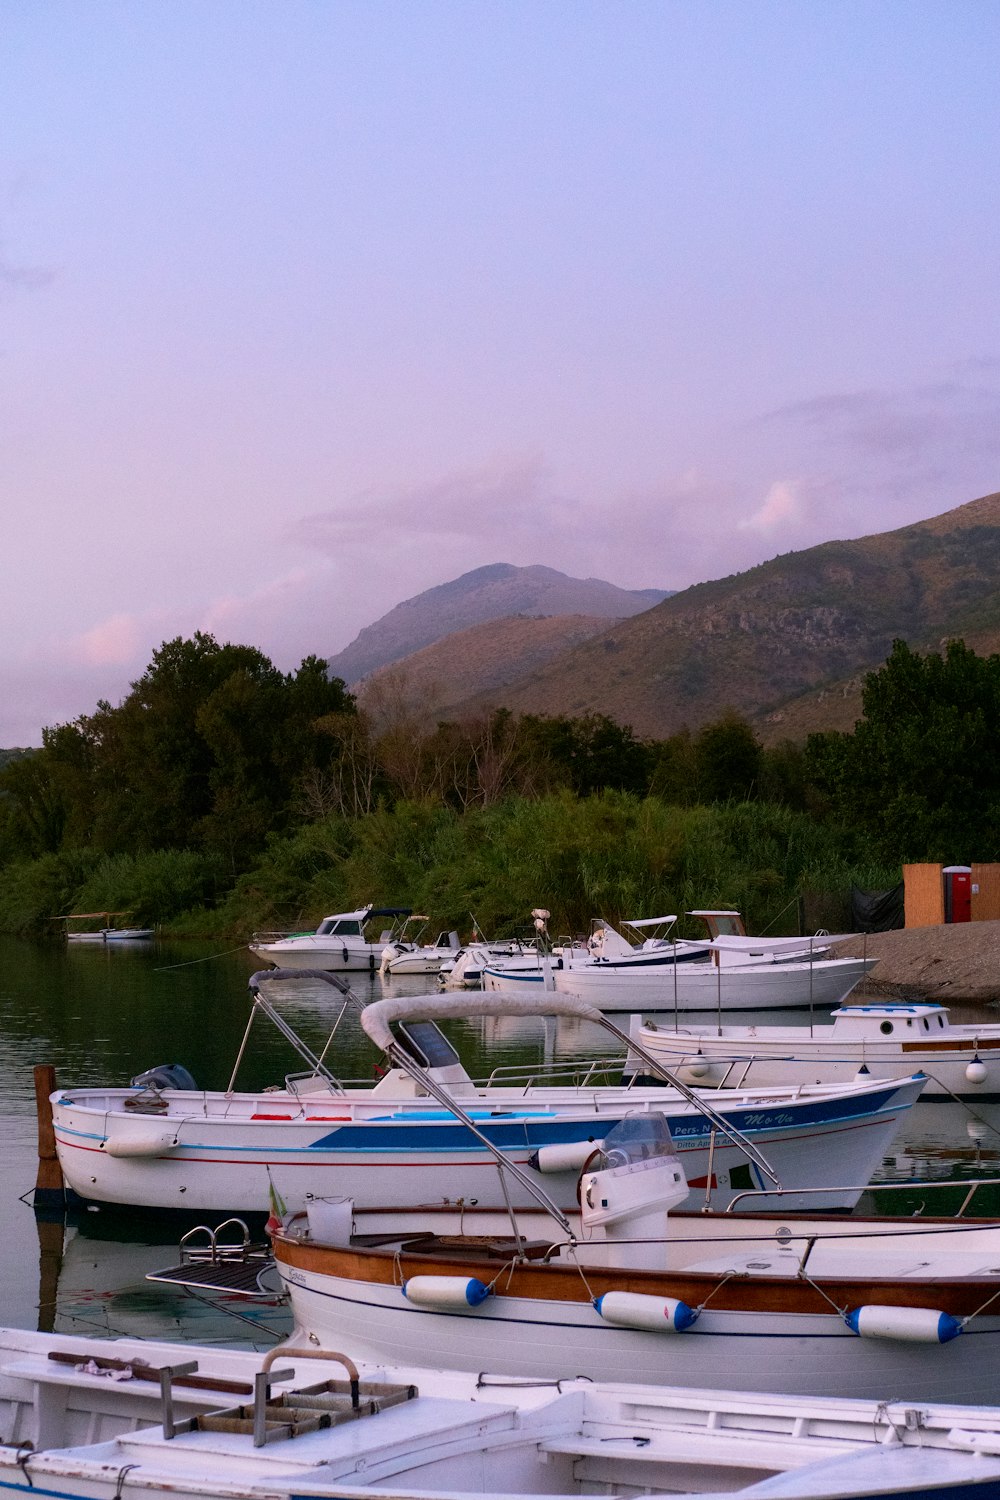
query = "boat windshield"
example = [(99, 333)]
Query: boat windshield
[(332, 927), (638, 1138)]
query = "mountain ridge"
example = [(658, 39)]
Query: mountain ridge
[(787, 643), (760, 640), (495, 591)]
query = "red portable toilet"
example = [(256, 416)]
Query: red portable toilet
[(957, 893)]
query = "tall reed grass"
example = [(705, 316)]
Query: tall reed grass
[(616, 855)]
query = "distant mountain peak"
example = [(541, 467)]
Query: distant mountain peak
[(492, 592)]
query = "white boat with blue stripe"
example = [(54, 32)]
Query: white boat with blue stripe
[(394, 1144)]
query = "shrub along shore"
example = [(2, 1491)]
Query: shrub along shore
[(612, 854)]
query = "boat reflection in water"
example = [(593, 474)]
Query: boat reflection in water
[(92, 1281)]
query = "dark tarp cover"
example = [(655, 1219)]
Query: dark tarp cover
[(877, 911)]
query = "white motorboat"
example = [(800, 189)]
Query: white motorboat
[(101, 1419), (409, 956), (710, 984), (426, 1132), (883, 1040), (338, 945), (724, 971), (467, 967), (624, 1287)]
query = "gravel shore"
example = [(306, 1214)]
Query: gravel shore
[(960, 962)]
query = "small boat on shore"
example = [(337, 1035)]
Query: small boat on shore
[(105, 933), (883, 1040), (101, 1419), (426, 1131)]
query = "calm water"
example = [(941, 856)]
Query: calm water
[(102, 1014)]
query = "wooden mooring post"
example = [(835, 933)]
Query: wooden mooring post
[(49, 1186)]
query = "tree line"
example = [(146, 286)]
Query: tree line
[(216, 765)]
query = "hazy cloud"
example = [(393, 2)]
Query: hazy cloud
[(952, 416), (23, 278), (113, 643), (503, 497)]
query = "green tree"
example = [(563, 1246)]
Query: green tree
[(921, 771), (728, 760), (589, 754), (207, 749)]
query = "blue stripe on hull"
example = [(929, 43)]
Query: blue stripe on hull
[(400, 1136)]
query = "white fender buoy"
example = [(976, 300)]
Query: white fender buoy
[(915, 1325), (695, 1067), (975, 1071), (651, 1314), (140, 1145), (563, 1156), (445, 1293)]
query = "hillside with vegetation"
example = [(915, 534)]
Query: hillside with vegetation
[(484, 658), (787, 643)]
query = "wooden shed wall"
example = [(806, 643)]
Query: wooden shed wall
[(923, 895), (986, 900)]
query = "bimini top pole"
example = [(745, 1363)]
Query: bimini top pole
[(377, 1017)]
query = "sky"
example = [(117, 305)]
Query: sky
[(307, 307)]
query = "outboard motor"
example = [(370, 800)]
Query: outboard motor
[(165, 1076), (628, 1198)]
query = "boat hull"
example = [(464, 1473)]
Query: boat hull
[(708, 987), (212, 1153), (763, 1348), (313, 953), (421, 962), (966, 1068)]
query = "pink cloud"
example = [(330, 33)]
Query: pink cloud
[(113, 642), (781, 505)]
